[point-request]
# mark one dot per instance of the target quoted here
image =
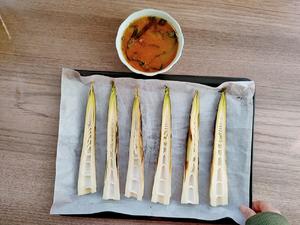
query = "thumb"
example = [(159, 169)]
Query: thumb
[(247, 212)]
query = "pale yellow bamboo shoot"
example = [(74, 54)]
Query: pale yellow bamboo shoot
[(111, 188), (87, 167), (190, 191), (135, 174), (219, 181), (161, 192)]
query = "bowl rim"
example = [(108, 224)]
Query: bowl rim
[(147, 12)]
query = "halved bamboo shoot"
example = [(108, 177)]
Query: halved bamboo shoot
[(87, 167), (135, 173), (219, 181), (161, 192), (111, 188), (190, 192)]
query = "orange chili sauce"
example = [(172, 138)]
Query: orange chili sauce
[(149, 44)]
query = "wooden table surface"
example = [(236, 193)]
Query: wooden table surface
[(255, 39)]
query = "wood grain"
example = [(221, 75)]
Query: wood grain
[(255, 39)]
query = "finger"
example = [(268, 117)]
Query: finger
[(263, 206), (247, 212), (259, 206)]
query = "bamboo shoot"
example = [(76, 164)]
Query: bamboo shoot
[(135, 173), (190, 192), (219, 181), (161, 192), (111, 188), (87, 167)]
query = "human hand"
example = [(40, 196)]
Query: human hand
[(257, 207)]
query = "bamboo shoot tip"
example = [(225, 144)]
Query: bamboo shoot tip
[(167, 90), (136, 92)]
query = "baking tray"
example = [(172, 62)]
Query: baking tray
[(212, 81)]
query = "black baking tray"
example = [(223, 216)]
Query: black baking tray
[(212, 81)]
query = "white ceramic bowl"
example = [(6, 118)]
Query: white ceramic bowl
[(149, 12)]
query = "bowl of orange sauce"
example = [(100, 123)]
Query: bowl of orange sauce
[(149, 42)]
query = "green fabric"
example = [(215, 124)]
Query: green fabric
[(267, 218)]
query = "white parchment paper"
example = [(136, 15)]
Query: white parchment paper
[(74, 92)]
